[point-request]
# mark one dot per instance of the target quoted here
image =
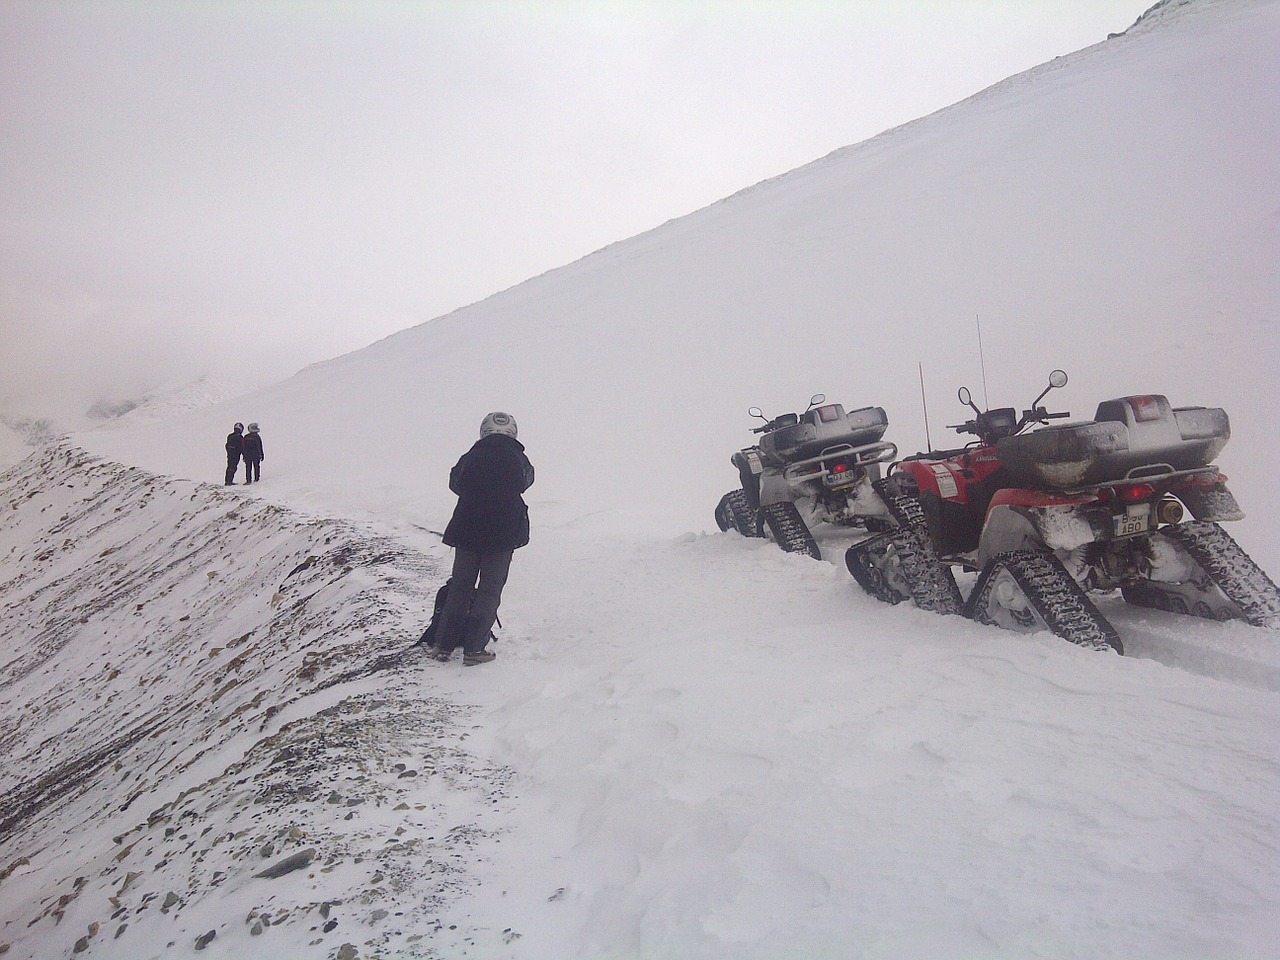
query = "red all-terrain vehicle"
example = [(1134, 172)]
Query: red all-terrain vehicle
[(1049, 514)]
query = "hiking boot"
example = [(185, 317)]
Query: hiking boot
[(480, 656), (444, 656)]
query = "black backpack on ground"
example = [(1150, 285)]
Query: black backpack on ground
[(428, 638)]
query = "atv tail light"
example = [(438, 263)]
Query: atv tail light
[(1145, 408), (1206, 480), (1169, 511), (840, 468), (1136, 493)]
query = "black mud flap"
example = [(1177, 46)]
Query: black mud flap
[(1212, 503)]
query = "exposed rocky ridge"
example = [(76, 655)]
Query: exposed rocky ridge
[(227, 690)]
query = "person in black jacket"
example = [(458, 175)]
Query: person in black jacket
[(253, 455), (488, 525), (235, 447)]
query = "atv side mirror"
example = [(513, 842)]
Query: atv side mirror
[(816, 399), (1057, 378), (967, 399), (756, 412)]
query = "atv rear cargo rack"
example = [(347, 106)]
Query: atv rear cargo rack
[(1127, 435), (881, 452), (1154, 472)]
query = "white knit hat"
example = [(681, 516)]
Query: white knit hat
[(498, 422)]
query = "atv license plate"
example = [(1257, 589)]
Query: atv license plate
[(1134, 520)]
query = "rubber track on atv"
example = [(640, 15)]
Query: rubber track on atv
[(787, 528), (905, 509), (933, 585), (1232, 570), (734, 513), (1055, 595), (857, 559), (1183, 599)]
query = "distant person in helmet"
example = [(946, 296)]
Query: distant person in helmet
[(235, 447), (253, 455), (489, 524)]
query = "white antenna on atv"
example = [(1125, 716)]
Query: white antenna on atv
[(924, 403), (986, 401)]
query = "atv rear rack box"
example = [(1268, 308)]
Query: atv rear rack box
[(1131, 438), (821, 428)]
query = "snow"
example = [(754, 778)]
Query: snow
[(691, 744), (13, 446), (172, 401), (869, 782), (20, 432)]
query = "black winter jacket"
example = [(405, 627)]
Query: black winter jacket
[(235, 444), (253, 446), (491, 516)]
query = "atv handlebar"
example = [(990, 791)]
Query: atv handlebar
[(785, 419), (1000, 422), (994, 429), (1038, 416), (778, 422)]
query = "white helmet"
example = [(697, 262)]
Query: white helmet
[(253, 428), (498, 422)]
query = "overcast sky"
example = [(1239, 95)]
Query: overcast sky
[(242, 188)]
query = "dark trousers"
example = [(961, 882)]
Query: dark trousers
[(233, 461), (252, 470), (471, 610)]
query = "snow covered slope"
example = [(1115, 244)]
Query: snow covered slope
[(699, 747), (1112, 212), (690, 745), (198, 689)]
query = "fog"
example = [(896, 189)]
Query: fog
[(238, 190)]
